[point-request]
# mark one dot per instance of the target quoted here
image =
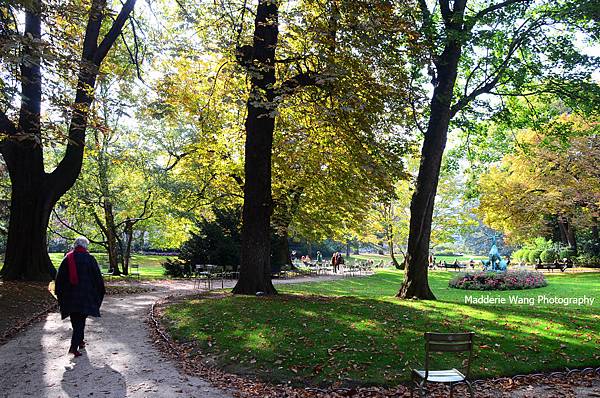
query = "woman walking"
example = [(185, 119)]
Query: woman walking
[(80, 290)]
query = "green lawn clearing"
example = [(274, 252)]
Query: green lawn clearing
[(150, 265), (355, 332)]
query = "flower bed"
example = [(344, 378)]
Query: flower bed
[(511, 280)]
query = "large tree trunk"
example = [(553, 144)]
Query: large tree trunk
[(26, 256), (255, 261), (415, 283)]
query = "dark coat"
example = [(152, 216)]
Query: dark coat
[(85, 297)]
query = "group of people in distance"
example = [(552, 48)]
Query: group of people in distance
[(443, 264)]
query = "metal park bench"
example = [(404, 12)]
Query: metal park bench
[(444, 342)]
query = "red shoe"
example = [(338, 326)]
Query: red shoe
[(75, 353)]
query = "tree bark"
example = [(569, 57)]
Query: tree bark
[(255, 261), (281, 252), (35, 192), (111, 237), (562, 230), (415, 283), (393, 255)]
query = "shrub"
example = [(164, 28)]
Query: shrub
[(511, 280), (567, 253), (177, 268), (216, 241), (520, 254), (533, 255), (548, 255)]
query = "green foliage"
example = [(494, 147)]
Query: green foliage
[(534, 255), (176, 268), (567, 253), (548, 255), (521, 254), (216, 241), (359, 321)]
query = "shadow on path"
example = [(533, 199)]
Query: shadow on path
[(81, 378)]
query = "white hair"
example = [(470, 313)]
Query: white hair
[(81, 241)]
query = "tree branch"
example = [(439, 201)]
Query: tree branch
[(113, 33), (492, 80), (302, 79), (70, 228), (7, 127), (473, 20)]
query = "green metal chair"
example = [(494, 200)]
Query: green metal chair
[(444, 342)]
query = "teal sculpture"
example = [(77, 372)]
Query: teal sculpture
[(495, 263)]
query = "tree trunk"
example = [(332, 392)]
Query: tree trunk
[(26, 256), (111, 238), (562, 230), (255, 261), (347, 249), (127, 252), (393, 256), (595, 235), (571, 237), (415, 283), (281, 253)]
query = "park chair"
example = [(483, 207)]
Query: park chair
[(444, 342), (104, 270), (134, 270)]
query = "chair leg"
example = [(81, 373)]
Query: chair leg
[(422, 390), (451, 390), (470, 386)]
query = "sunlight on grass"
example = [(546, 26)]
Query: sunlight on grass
[(356, 331)]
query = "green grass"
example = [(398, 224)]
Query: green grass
[(356, 332), (150, 265)]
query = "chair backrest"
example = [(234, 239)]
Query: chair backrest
[(449, 342)]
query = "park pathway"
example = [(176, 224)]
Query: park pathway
[(120, 359)]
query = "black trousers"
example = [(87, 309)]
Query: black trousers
[(78, 323)]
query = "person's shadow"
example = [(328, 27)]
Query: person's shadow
[(82, 379)]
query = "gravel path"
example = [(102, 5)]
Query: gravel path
[(119, 361)]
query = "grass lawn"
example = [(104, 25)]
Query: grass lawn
[(356, 332), (150, 265)]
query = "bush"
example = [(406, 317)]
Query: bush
[(511, 280), (567, 253), (520, 254), (216, 241), (548, 255), (177, 268), (533, 255)]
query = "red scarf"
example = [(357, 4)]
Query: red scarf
[(73, 277)]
